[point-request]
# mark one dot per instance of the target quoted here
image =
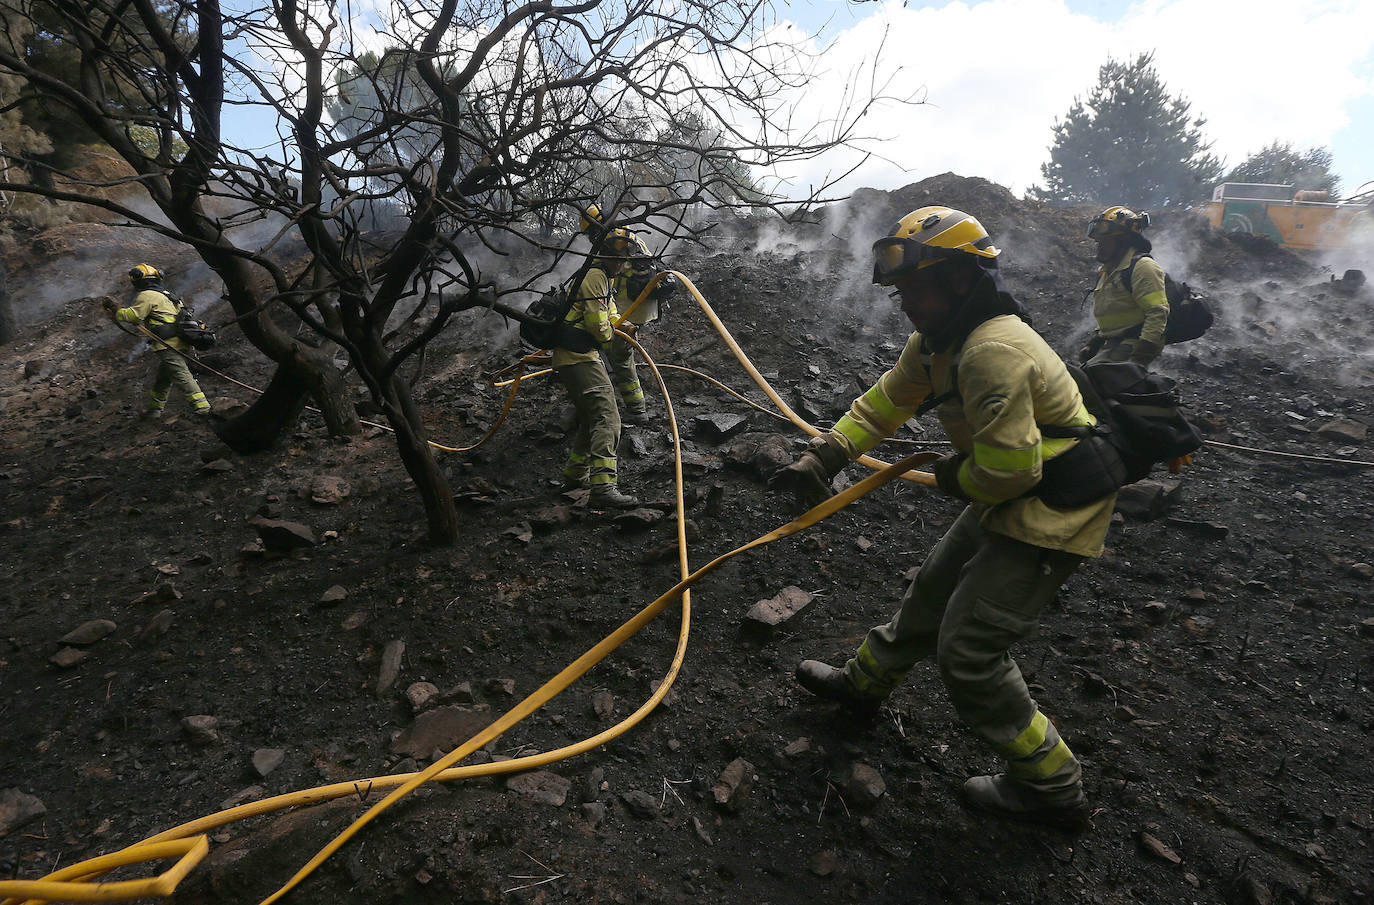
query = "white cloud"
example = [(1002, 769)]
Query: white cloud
[(998, 73)]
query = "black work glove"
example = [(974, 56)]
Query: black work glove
[(946, 469), (809, 477), (1145, 352)]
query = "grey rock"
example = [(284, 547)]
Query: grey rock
[(767, 616), (243, 796), (637, 519), (68, 657), (89, 632), (594, 812), (390, 667), (442, 727), (201, 729), (732, 787), (156, 627), (718, 426), (1343, 430), (864, 786), (333, 594), (541, 786), (280, 536), (421, 695), (640, 804), (17, 809), (328, 490), (1146, 500), (460, 694), (265, 760), (603, 705)]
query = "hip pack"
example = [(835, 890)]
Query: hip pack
[(1139, 417), (548, 327)]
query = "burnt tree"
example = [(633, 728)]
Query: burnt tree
[(434, 178)]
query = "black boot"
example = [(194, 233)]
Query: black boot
[(825, 681), (608, 496), (1006, 797)]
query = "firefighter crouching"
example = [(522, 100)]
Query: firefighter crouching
[(592, 455), (1131, 312), (1037, 506), (150, 305)]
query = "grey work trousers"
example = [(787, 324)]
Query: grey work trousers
[(977, 594)]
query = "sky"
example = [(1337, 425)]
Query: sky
[(996, 75)]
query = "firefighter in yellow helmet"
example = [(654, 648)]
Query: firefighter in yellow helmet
[(637, 268), (1130, 307), (152, 306), (1038, 505), (592, 454)]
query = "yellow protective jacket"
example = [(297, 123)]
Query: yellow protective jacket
[(1009, 382), (638, 266), (593, 310), (1120, 311), (152, 307)]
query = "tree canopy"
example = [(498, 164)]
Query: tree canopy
[(1279, 164), (1129, 142)]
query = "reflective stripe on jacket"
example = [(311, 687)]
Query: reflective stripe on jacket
[(1120, 311), (1010, 382), (592, 310), (152, 307)]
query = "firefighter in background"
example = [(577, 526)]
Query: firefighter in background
[(592, 456), (1037, 508), (1130, 318), (150, 305), (636, 270)]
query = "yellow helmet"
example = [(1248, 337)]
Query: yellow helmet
[(1118, 221), (928, 236), (591, 217), (141, 272), (617, 242)]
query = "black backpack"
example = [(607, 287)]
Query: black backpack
[(1138, 415), (195, 332), (1189, 313), (197, 335), (548, 328)]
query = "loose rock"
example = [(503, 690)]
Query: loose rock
[(89, 632), (541, 786), (18, 808), (265, 760), (732, 787)]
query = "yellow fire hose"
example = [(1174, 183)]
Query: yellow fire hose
[(918, 477), (189, 844)]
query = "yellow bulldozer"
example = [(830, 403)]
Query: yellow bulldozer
[(1298, 219)]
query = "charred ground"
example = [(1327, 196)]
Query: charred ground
[(1212, 670)]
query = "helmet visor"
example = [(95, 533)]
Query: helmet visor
[(896, 254), (1102, 228)]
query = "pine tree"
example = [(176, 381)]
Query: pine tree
[(1129, 143), (1279, 164)]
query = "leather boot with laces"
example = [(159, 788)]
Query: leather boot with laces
[(608, 496), (1004, 796), (825, 681)]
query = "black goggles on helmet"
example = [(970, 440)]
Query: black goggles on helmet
[(897, 254), (1104, 228)]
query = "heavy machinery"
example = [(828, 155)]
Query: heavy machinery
[(1298, 219)]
